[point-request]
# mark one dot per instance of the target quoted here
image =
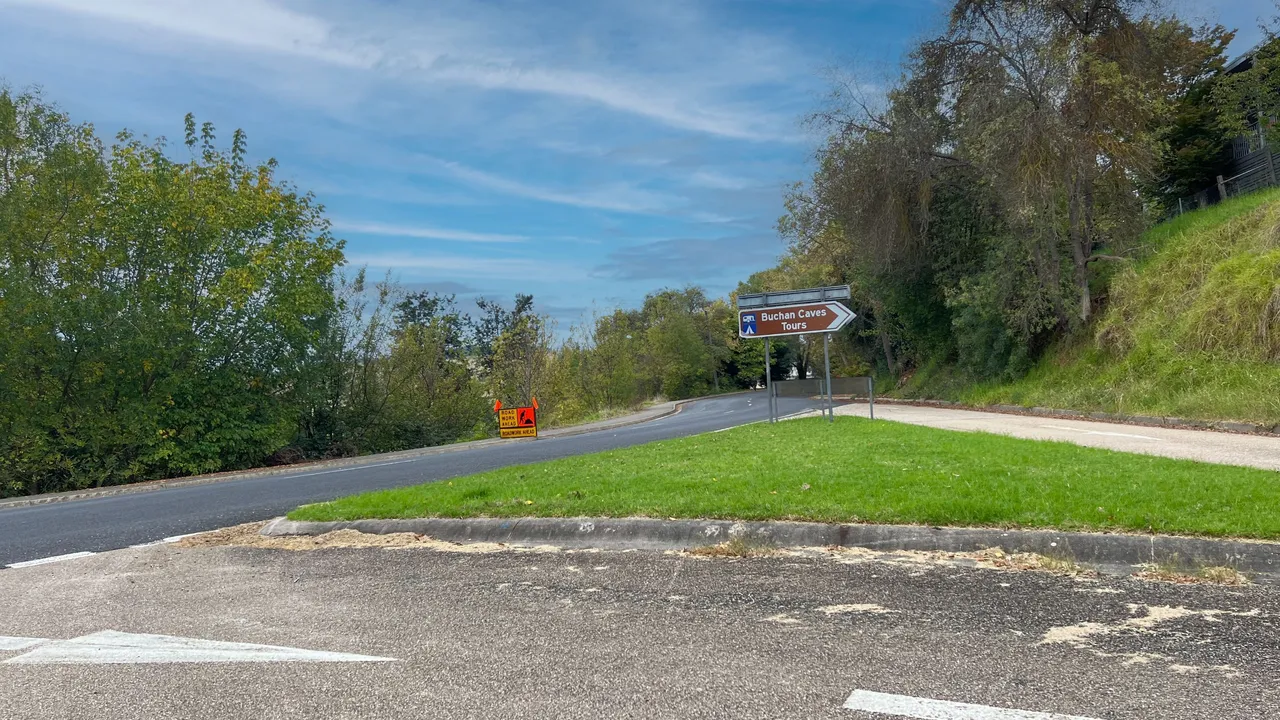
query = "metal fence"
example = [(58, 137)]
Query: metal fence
[(854, 387), (1255, 166), (850, 387)]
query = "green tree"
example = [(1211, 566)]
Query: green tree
[(1251, 98), (161, 315), (522, 355)]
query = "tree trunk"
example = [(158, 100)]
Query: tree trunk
[(888, 350), (882, 325), (1078, 201)]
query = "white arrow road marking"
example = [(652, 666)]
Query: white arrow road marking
[(18, 643), (47, 560), (924, 709), (111, 647)]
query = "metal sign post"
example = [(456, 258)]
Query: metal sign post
[(768, 378), (795, 312), (826, 357)]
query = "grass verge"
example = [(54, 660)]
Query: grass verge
[(1192, 330), (856, 471)]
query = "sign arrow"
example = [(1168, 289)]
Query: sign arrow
[(110, 647)]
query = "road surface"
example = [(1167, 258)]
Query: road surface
[(568, 635), (1258, 451), (108, 523)]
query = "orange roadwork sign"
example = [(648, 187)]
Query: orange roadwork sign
[(518, 422)]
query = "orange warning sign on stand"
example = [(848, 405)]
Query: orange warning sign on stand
[(518, 422)]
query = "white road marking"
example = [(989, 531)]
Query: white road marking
[(349, 469), (168, 540), (47, 560), (1099, 432), (112, 647), (924, 709), (18, 643)]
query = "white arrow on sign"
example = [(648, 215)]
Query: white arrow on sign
[(110, 647), (843, 315)]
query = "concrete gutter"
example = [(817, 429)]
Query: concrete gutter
[(655, 413), (650, 534)]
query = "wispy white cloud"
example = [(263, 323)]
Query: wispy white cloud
[(250, 24), (471, 267), (469, 45), (651, 102), (428, 233), (618, 197), (717, 180)]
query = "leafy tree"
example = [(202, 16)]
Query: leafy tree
[(493, 321), (1251, 98), (1195, 146), (160, 314), (522, 356)]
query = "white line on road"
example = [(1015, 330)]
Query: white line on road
[(925, 709), (1099, 432), (47, 560), (18, 643), (349, 469), (168, 540), (110, 647)]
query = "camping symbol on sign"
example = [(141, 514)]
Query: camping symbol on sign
[(749, 324)]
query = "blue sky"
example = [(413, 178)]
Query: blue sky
[(586, 152)]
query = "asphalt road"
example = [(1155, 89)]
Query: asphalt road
[(108, 523), (631, 635)]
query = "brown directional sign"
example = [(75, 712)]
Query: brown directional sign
[(802, 319)]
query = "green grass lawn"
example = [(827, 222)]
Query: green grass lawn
[(856, 471)]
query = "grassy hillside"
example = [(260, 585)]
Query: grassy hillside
[(1191, 331)]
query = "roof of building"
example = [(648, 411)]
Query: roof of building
[(1240, 63)]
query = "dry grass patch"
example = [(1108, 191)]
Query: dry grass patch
[(1210, 575), (248, 536), (1055, 564), (738, 547)]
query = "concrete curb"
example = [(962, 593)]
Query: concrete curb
[(339, 463), (651, 534), (1222, 426)]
